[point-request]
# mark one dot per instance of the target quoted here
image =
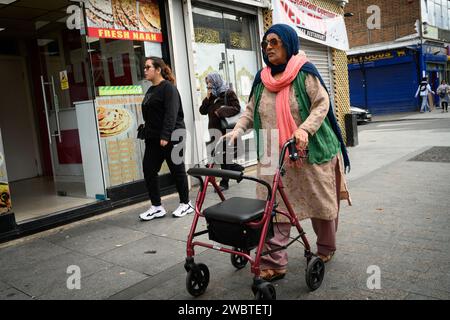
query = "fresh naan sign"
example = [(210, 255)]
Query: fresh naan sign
[(124, 19), (312, 22)]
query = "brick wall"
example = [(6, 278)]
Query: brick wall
[(397, 20)]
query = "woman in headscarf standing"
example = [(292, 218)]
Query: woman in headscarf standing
[(221, 101), (289, 95)]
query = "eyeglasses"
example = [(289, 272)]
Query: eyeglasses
[(148, 67), (274, 43)]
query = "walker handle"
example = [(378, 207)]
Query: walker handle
[(293, 153)]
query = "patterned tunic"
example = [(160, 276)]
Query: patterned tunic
[(311, 189)]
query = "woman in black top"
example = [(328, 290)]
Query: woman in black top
[(220, 101), (163, 114)]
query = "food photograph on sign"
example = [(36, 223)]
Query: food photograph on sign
[(100, 13), (113, 121), (124, 19), (149, 16), (125, 14)]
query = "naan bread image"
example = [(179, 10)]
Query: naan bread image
[(125, 14), (112, 121), (115, 4), (100, 13), (149, 15)]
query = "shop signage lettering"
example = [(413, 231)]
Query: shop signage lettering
[(377, 56), (125, 35), (312, 22), (124, 20)]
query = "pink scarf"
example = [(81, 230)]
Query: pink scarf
[(285, 122)]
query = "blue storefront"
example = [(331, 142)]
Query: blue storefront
[(435, 66), (385, 81)]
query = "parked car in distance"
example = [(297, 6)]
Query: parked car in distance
[(362, 115)]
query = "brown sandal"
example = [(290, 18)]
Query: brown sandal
[(327, 258), (273, 274)]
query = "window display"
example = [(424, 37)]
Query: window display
[(225, 42)]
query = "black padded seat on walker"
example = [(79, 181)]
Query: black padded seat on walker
[(236, 210)]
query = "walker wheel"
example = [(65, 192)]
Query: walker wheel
[(197, 279), (265, 291), (238, 261), (314, 273)]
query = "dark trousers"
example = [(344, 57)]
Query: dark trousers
[(153, 159), (444, 105)]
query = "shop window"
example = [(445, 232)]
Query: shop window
[(216, 27), (118, 43), (117, 62), (225, 42)]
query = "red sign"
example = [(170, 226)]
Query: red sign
[(124, 20), (124, 34)]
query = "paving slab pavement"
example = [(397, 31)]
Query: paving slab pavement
[(399, 222)]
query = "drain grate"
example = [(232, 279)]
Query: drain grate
[(435, 154)]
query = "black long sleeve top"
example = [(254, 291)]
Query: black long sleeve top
[(162, 111)]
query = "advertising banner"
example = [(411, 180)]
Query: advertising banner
[(377, 56), (312, 22), (118, 118), (124, 20), (5, 196)]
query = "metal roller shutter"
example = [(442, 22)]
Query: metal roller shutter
[(390, 88), (319, 55)]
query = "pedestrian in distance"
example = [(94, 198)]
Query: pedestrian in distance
[(290, 96), (163, 114), (443, 92), (423, 90), (221, 101)]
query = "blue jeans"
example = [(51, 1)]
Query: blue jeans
[(425, 105)]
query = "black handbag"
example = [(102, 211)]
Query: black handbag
[(228, 123), (141, 132)]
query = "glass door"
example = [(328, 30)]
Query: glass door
[(225, 42), (69, 112)]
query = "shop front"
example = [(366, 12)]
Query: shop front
[(71, 101), (71, 88), (384, 81), (435, 60)]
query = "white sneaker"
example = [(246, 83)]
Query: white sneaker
[(183, 209), (153, 212)]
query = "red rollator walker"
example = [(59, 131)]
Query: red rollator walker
[(245, 224)]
